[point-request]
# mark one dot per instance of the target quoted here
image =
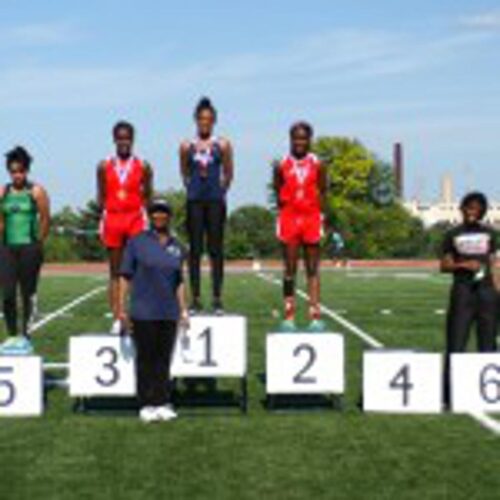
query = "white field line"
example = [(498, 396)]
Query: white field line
[(482, 418), (64, 309)]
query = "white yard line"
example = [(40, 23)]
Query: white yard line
[(482, 418), (64, 309)]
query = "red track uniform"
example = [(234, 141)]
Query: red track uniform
[(300, 220), (124, 215)]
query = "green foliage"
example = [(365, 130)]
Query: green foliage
[(251, 233)]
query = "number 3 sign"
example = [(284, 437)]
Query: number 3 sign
[(304, 363), (101, 365)]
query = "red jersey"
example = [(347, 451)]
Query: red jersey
[(299, 191), (124, 185)]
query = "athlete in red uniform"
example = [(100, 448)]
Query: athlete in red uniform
[(124, 189), (300, 183)]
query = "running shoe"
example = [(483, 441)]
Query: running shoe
[(316, 326), (217, 307), (288, 326), (149, 414), (166, 413), (196, 307), (17, 346)]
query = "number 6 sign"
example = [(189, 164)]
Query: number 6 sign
[(304, 363), (475, 382)]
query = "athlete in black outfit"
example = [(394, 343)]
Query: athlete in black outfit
[(207, 170), (469, 253)]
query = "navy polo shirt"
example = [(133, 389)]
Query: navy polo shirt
[(155, 272)]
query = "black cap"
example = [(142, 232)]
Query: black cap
[(159, 205)]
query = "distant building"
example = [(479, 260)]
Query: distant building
[(447, 209)]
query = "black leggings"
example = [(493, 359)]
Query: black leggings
[(154, 342), (19, 267), (206, 220), (469, 304)]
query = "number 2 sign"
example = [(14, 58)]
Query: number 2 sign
[(304, 363)]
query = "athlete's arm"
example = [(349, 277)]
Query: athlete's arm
[(101, 185), (277, 181), (450, 265), (2, 223), (184, 162), (124, 289), (148, 183), (181, 298), (43, 204), (227, 163), (323, 191)]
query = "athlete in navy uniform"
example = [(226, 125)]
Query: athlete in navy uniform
[(468, 253), (207, 171)]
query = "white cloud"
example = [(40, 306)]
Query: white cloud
[(486, 20)]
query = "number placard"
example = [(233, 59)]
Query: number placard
[(21, 386), (214, 346), (402, 381), (101, 365), (475, 382), (304, 363)]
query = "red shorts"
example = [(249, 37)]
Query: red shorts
[(117, 227), (300, 229)]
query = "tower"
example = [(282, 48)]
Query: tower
[(398, 163)]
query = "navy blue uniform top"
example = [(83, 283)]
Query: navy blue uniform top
[(155, 272), (205, 173)]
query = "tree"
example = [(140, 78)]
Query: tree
[(251, 233)]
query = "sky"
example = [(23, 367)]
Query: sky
[(425, 73)]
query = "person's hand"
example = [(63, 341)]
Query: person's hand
[(124, 319), (471, 265), (184, 320)]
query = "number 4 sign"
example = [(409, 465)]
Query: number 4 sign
[(402, 382)]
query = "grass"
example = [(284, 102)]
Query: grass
[(322, 454)]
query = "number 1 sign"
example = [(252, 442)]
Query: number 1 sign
[(304, 363), (213, 346)]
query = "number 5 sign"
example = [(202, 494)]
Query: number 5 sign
[(475, 382), (304, 363), (101, 365)]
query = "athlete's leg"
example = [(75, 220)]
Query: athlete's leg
[(461, 313), (194, 223), (31, 258), (9, 279), (215, 223), (487, 319), (312, 257), (115, 260), (290, 258)]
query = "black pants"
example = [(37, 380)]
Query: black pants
[(470, 304), (154, 343), (206, 221), (19, 268)]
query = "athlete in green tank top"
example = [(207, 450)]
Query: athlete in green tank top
[(20, 213), (24, 226)]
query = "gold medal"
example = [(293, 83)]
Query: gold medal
[(122, 194)]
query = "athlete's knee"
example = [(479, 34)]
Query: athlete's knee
[(312, 270)]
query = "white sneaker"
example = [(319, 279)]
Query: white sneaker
[(166, 413), (116, 327), (148, 414)]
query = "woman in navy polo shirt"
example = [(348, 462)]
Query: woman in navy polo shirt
[(152, 271)]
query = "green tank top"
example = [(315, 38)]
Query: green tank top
[(20, 214)]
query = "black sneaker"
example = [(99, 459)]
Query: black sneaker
[(218, 307), (196, 307)]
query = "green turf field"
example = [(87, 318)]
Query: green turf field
[(299, 455)]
